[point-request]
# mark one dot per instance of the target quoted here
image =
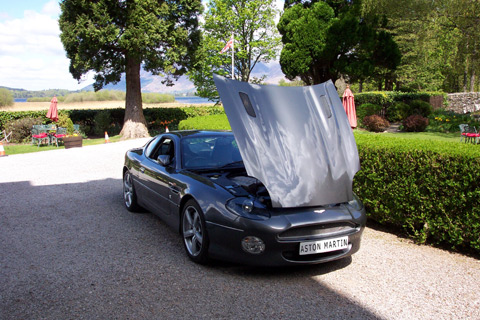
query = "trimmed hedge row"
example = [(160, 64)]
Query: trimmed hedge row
[(430, 190), (214, 122), (385, 98), (86, 117)]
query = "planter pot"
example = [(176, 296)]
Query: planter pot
[(72, 142)]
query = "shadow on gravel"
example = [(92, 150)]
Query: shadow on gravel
[(72, 251)]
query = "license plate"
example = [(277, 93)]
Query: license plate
[(322, 246)]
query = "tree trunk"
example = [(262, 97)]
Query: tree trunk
[(134, 125), (472, 81)]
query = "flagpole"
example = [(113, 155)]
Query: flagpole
[(233, 43)]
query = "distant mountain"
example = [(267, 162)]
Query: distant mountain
[(152, 83), (25, 94)]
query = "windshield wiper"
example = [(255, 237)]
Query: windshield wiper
[(231, 164)]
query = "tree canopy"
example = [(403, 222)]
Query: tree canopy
[(115, 37), (256, 40), (438, 41), (328, 39)]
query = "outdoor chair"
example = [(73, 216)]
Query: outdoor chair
[(59, 135), (469, 133), (473, 135), (4, 136), (463, 132), (39, 134)]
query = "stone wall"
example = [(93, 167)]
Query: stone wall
[(464, 102)]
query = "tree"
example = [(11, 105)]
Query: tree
[(6, 97), (438, 41), (343, 42), (256, 40), (115, 37)]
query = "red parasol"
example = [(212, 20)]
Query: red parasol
[(53, 111), (349, 106)]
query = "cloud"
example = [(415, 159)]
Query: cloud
[(31, 53)]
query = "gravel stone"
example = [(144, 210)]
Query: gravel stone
[(70, 250)]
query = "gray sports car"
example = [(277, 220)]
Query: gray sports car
[(277, 191)]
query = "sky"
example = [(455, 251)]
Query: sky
[(31, 53)]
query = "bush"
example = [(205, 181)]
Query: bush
[(447, 121), (152, 97), (213, 122), (6, 98), (415, 123), (430, 191), (64, 121), (22, 129), (103, 122), (367, 109), (398, 111), (420, 107), (375, 123)]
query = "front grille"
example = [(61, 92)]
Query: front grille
[(317, 231)]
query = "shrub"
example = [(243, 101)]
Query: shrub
[(152, 97), (415, 123), (420, 107), (428, 190), (398, 111), (375, 123), (213, 122), (103, 122), (6, 98), (22, 129), (447, 121), (367, 109)]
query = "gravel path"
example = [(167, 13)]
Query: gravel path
[(69, 250)]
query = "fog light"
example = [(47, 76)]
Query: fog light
[(253, 245)]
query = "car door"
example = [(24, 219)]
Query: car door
[(156, 178)]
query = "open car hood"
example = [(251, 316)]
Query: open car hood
[(296, 140)]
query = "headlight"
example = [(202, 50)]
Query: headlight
[(355, 203), (248, 208)]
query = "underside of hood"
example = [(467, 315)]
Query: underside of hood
[(296, 140)]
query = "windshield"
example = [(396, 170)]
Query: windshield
[(210, 152)]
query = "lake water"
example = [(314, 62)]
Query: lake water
[(20, 100), (192, 100)]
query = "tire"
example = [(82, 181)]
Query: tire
[(194, 232), (129, 194)]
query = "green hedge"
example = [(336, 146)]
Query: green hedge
[(386, 98), (86, 117), (214, 122), (428, 189)]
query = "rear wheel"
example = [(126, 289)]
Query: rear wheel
[(194, 232), (129, 195)]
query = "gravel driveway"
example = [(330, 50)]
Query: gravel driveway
[(70, 250)]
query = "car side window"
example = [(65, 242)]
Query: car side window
[(151, 147), (165, 147)]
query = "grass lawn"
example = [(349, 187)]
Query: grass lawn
[(27, 148), (453, 137)]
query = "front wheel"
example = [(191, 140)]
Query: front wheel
[(129, 194), (194, 232)]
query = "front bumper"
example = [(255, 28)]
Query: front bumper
[(283, 233)]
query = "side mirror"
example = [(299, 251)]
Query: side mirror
[(164, 160)]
